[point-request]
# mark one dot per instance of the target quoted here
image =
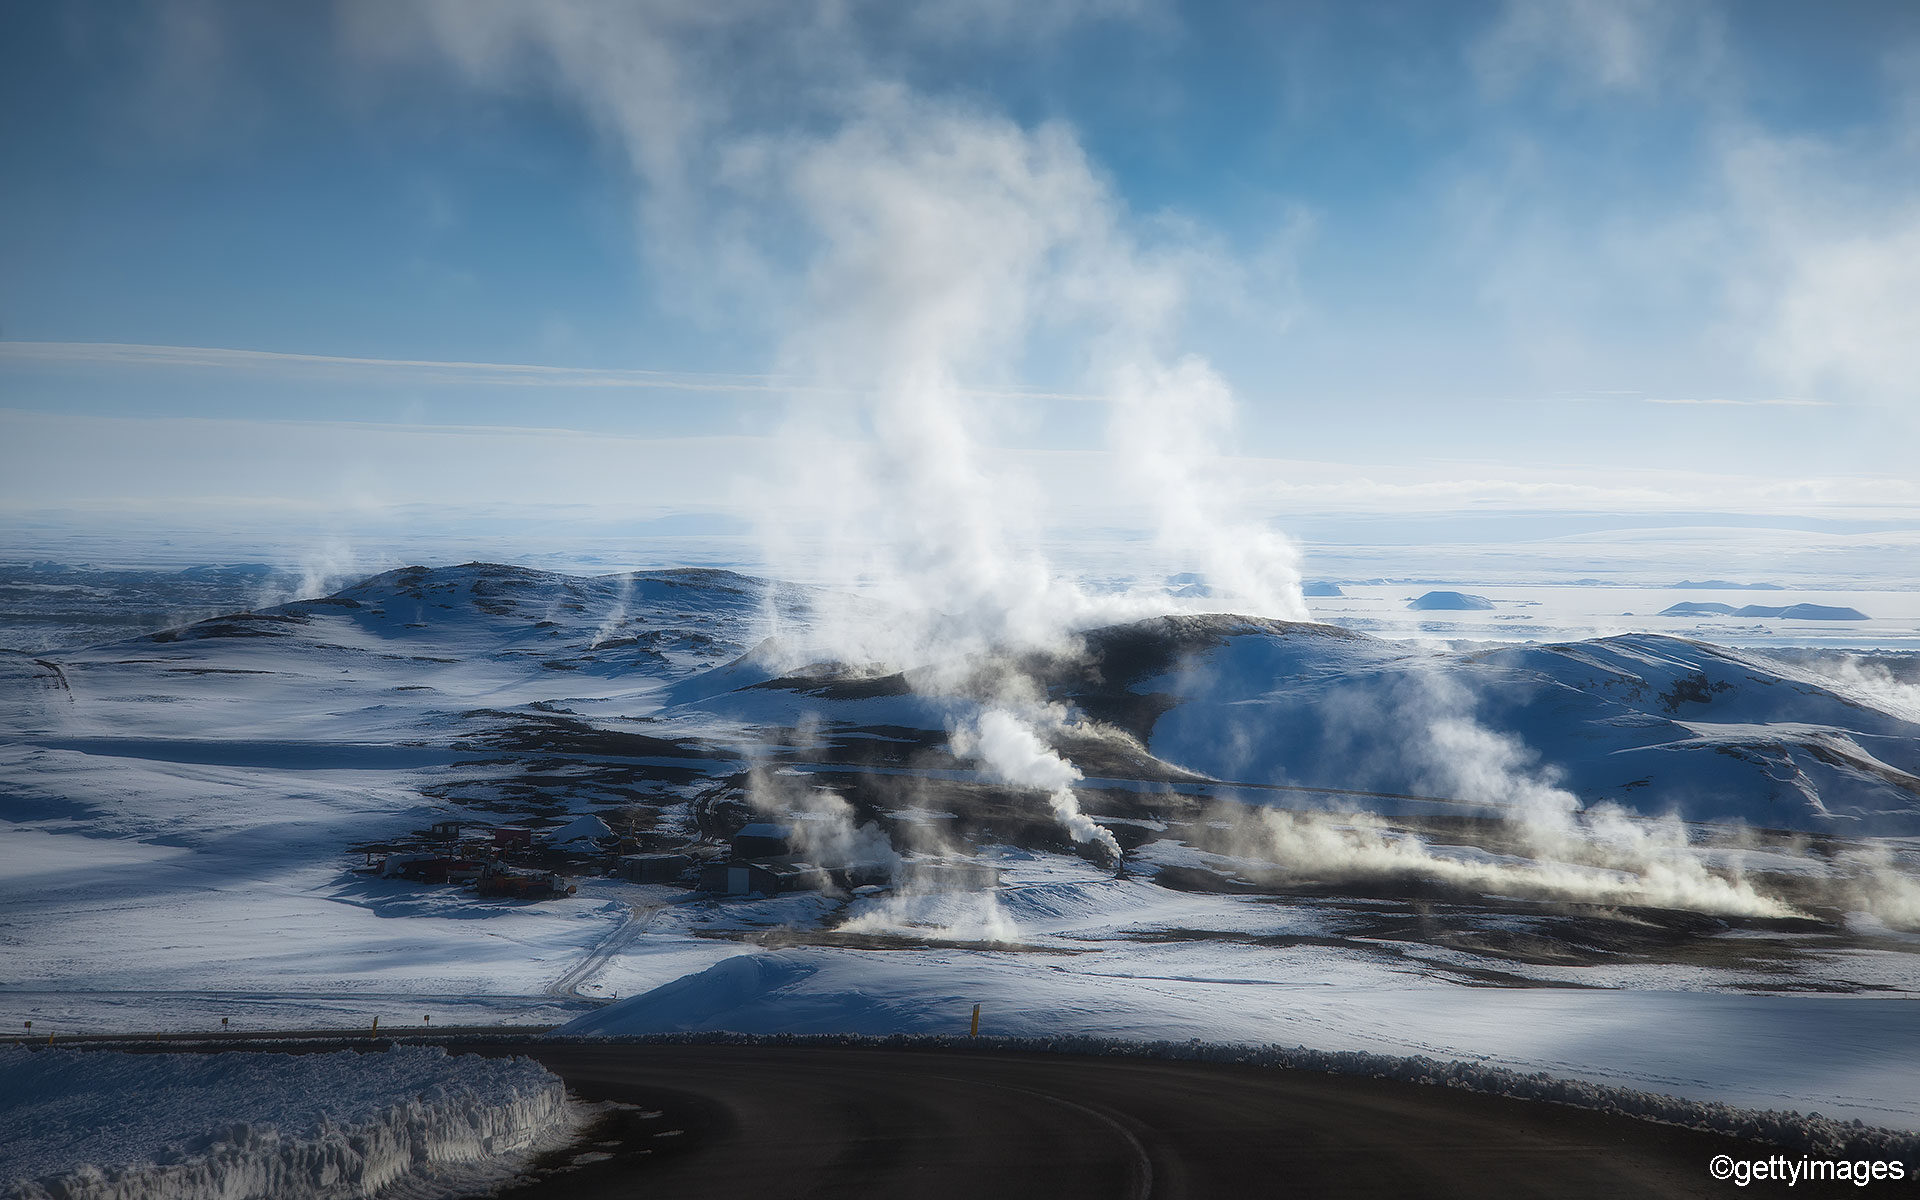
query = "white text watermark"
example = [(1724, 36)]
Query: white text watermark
[(1781, 1169)]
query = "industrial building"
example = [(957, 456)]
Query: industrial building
[(761, 878), (654, 868)]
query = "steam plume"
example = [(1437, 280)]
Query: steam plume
[(1014, 754), (905, 251), (1598, 853), (623, 600), (825, 825), (965, 917)]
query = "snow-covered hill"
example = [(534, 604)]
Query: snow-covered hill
[(396, 657), (1655, 724)]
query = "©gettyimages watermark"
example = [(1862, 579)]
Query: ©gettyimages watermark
[(1790, 1171)]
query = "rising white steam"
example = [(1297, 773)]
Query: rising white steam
[(1169, 426), (319, 571), (1551, 846), (906, 253), (1600, 853), (617, 615), (1349, 847), (1873, 882), (975, 916), (325, 567), (828, 834), (1611, 858), (826, 829), (1870, 683), (1012, 753), (1539, 839), (946, 241)]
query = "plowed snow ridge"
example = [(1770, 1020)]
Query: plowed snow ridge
[(106, 1125)]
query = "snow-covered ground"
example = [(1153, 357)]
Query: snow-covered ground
[(105, 1124), (1845, 1057), (1123, 958), (180, 814), (1653, 723)]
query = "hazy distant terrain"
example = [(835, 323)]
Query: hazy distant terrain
[(51, 606)]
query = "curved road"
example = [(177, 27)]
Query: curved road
[(771, 1122)]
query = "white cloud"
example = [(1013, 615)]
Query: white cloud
[(1751, 268), (1848, 311), (1828, 290), (1604, 46), (1001, 20)]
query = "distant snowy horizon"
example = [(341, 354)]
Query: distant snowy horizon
[(128, 588)]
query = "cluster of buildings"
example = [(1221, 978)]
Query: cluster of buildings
[(508, 861), (764, 859), (761, 859)]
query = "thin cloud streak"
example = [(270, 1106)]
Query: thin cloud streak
[(1626, 396), (1718, 401), (438, 371)]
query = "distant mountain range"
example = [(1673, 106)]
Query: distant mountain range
[(1792, 612), (1724, 586)]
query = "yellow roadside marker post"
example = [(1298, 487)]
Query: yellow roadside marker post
[(376, 1028), (975, 1030)]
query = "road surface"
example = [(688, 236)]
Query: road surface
[(771, 1122)]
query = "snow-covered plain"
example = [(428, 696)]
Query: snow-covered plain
[(280, 1125), (1548, 611), (181, 810)]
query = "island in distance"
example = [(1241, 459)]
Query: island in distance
[(1792, 612), (1450, 602)]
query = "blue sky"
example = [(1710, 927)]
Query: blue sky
[(1628, 256)]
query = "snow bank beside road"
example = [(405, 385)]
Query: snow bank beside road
[(1848, 1057), (104, 1124)]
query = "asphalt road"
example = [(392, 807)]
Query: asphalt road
[(772, 1122)]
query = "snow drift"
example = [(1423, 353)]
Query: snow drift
[(106, 1125)]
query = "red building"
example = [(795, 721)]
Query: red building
[(512, 837)]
